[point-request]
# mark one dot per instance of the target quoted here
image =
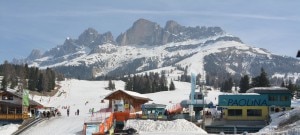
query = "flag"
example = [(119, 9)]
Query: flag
[(25, 98)]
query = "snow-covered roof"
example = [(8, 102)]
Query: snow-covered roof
[(269, 90), (240, 94), (130, 93)]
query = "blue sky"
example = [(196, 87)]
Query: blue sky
[(36, 24)]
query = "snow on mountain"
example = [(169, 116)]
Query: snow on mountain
[(147, 46), (113, 56)]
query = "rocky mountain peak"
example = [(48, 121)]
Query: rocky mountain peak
[(35, 54), (172, 27), (87, 37), (107, 38), (142, 32)]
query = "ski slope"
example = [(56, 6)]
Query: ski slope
[(75, 93)]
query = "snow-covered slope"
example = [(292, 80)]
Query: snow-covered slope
[(77, 93)]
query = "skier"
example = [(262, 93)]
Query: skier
[(77, 111), (68, 112), (92, 111), (48, 114)]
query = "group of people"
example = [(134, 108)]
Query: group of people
[(50, 113), (76, 113), (92, 111)]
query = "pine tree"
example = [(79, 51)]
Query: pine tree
[(227, 85), (14, 82), (261, 80), (111, 85), (172, 86), (291, 86), (244, 84), (128, 84), (282, 84), (264, 79), (40, 84), (4, 83)]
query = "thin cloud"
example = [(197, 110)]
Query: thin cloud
[(104, 12)]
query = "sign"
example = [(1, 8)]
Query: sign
[(247, 102), (126, 106), (243, 100)]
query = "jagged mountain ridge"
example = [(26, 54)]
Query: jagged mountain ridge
[(147, 46)]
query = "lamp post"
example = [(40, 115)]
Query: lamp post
[(204, 92)]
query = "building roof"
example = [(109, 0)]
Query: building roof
[(130, 93), (268, 90), (31, 102), (154, 106)]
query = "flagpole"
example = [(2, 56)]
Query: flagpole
[(22, 92)]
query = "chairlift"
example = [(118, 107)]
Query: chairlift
[(298, 54)]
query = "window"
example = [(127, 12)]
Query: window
[(283, 98), (199, 96), (7, 97), (254, 112), (272, 98), (235, 112), (272, 109)]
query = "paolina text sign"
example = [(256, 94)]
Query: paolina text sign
[(247, 102)]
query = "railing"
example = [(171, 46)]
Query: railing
[(27, 125), (231, 129), (13, 116)]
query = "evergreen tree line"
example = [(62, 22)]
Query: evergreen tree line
[(226, 81), (31, 78), (244, 84), (148, 83), (187, 78), (263, 81), (111, 85)]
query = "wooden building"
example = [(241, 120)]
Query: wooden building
[(11, 106), (130, 100)]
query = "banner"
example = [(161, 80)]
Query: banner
[(25, 98)]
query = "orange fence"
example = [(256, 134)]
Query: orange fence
[(108, 122), (121, 116)]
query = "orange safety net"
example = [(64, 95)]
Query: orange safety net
[(109, 121), (121, 116), (101, 128)]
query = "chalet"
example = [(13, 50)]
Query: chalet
[(121, 100), (11, 106)]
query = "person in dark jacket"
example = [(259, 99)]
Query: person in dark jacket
[(44, 114), (68, 112), (77, 111), (48, 114)]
